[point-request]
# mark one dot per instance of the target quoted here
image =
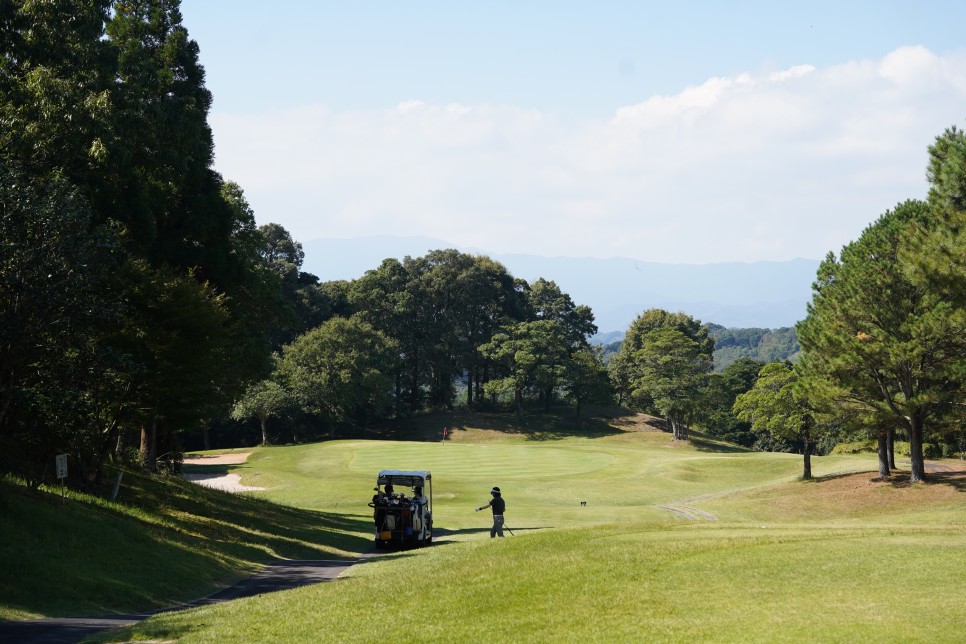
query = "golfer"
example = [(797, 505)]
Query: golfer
[(498, 505)]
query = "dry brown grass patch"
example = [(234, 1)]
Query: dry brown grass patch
[(854, 496)]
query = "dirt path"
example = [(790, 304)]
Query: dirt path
[(688, 512)]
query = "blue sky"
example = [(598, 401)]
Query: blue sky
[(690, 132)]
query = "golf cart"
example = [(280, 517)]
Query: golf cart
[(403, 520)]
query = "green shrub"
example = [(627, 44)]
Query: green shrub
[(901, 448), (859, 447)]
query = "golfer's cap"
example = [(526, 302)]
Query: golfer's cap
[(495, 490)]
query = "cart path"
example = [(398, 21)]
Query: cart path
[(281, 575)]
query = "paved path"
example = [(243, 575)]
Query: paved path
[(277, 576)]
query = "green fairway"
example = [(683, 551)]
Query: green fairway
[(622, 478), (676, 542)]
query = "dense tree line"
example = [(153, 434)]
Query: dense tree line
[(766, 345), (132, 291), (733, 344), (140, 300), (884, 341), (883, 346), (429, 333)]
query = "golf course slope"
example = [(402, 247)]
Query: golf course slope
[(619, 534), (700, 541)]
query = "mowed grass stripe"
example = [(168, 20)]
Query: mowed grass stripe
[(462, 461)]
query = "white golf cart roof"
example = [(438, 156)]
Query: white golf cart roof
[(410, 478)]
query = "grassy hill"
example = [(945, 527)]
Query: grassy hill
[(165, 541), (703, 541)]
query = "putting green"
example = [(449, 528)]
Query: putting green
[(478, 461)]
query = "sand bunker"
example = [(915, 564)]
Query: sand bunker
[(218, 481)]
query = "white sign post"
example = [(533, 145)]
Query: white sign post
[(61, 461)]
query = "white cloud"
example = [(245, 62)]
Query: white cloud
[(793, 72), (792, 163)]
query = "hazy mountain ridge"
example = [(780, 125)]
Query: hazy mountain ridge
[(733, 294)]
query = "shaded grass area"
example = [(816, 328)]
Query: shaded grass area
[(557, 424), (164, 541)]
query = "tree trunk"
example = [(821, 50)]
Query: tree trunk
[(143, 452), (480, 378), (149, 441), (469, 388), (518, 396), (484, 378), (414, 385), (807, 460), (918, 469), (264, 421), (882, 437), (808, 444), (891, 439)]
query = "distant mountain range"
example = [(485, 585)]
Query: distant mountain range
[(734, 294)]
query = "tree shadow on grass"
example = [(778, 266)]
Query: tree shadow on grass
[(901, 478), (934, 476), (535, 425), (165, 539), (191, 468), (467, 531), (816, 480), (954, 479), (704, 443)]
